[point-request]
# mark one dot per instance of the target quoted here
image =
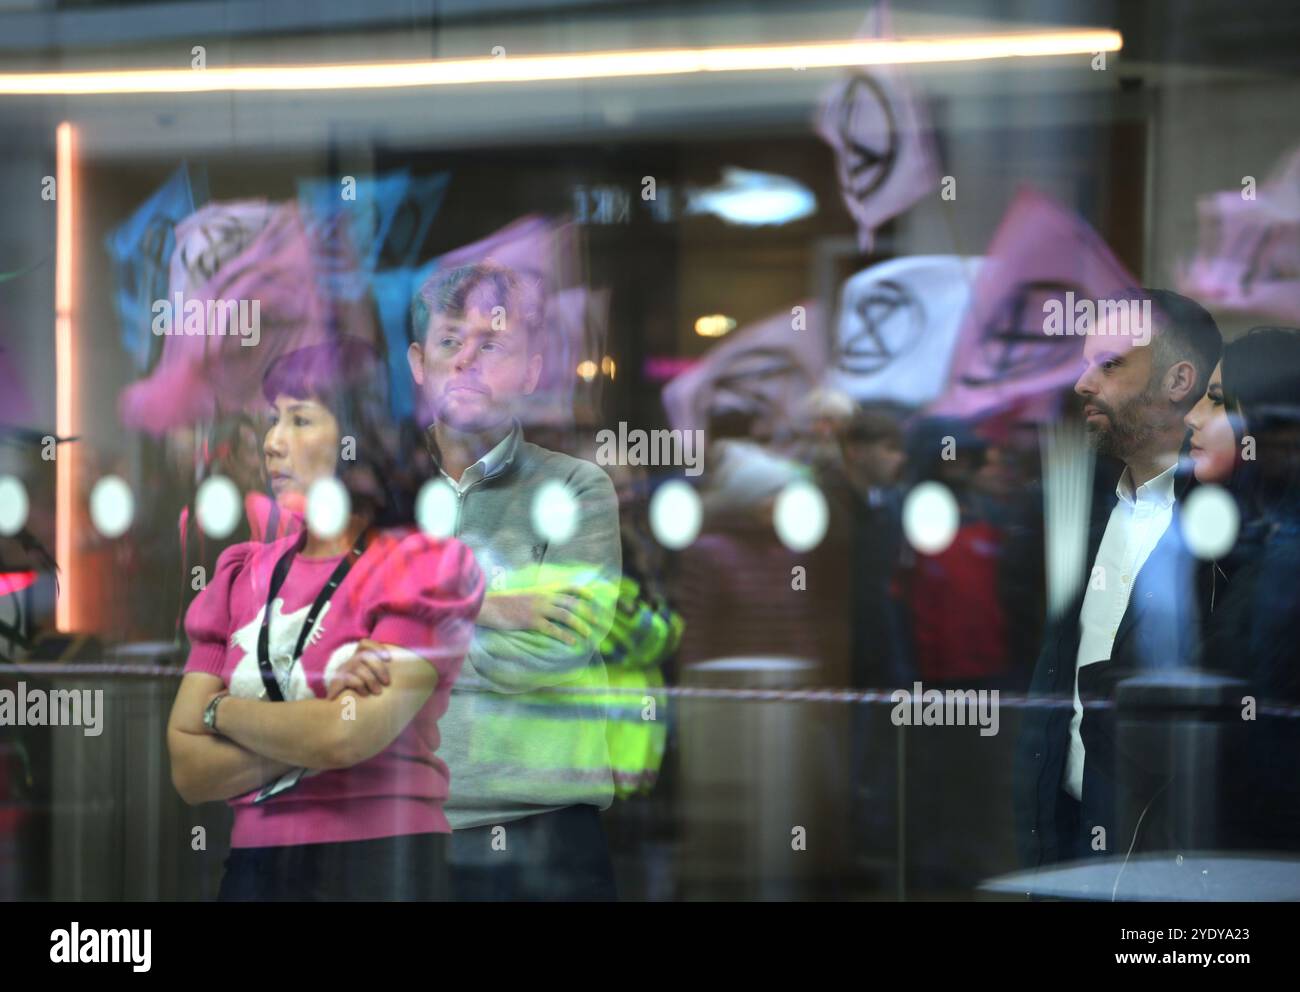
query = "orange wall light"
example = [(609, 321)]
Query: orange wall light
[(64, 374)]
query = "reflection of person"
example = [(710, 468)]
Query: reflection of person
[(643, 637), (958, 630), (1137, 608), (867, 533), (874, 458), (530, 765), (233, 451), (269, 634), (1246, 437), (737, 567)]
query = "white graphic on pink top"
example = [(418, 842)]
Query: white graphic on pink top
[(246, 679)]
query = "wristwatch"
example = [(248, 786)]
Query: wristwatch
[(210, 713)]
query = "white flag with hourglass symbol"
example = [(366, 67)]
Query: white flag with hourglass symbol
[(897, 327), (884, 148)]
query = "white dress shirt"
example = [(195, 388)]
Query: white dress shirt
[(1135, 527), (486, 465)]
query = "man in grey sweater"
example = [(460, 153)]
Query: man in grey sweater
[(524, 735)]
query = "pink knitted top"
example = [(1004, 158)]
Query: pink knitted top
[(406, 589)]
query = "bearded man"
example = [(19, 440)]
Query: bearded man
[(1138, 606)]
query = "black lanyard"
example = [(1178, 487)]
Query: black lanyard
[(277, 580)]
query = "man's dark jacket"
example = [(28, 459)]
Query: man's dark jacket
[(1160, 629)]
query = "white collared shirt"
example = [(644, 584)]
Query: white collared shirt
[(1135, 527), (485, 466)]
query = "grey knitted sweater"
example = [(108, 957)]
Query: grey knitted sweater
[(525, 729)]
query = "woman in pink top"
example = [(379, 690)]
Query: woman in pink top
[(336, 794)]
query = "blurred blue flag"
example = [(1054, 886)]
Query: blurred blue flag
[(141, 250)]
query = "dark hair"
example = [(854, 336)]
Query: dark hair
[(1184, 332), (729, 424), (1261, 379), (483, 285), (346, 376), (341, 374), (925, 444), (877, 422)]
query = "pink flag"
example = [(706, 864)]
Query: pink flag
[(1248, 256), (531, 246), (884, 149), (259, 259), (1004, 355), (210, 237), (763, 369)]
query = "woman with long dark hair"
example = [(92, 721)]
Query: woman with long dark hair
[(1245, 436), (337, 794)]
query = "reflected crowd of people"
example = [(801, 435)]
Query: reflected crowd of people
[(437, 643), (542, 640)]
